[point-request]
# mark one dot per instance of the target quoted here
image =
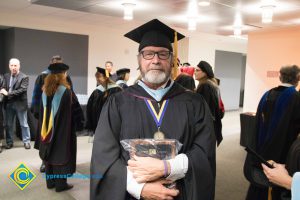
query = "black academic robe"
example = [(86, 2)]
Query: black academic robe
[(95, 104), (126, 116), (284, 133), (60, 153), (292, 164), (209, 91)]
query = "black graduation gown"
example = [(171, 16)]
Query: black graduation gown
[(211, 96), (126, 116), (60, 153), (292, 165), (284, 134), (94, 106)]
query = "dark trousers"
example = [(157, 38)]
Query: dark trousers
[(58, 183)]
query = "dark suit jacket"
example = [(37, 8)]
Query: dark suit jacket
[(18, 95)]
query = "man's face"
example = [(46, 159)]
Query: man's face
[(14, 67), (108, 67), (155, 70)]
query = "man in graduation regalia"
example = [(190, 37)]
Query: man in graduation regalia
[(129, 114), (105, 88), (277, 127)]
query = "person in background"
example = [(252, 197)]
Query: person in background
[(221, 104), (123, 76), (186, 64), (2, 86), (133, 113), (187, 69), (16, 102), (37, 94), (109, 69), (103, 91), (186, 81), (277, 126), (59, 116), (39, 82), (208, 88)]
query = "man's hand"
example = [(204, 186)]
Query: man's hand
[(278, 175), (157, 191), (3, 91), (146, 169)]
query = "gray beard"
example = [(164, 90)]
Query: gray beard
[(156, 77)]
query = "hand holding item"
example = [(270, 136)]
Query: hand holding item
[(145, 169), (3, 91), (278, 175), (157, 190)]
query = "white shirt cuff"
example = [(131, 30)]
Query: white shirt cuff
[(296, 186), (179, 166), (133, 187)]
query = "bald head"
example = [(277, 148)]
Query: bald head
[(14, 66)]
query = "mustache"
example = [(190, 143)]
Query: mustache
[(157, 67)]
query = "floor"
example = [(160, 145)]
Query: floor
[(230, 157)]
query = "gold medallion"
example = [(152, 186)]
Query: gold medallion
[(159, 135)]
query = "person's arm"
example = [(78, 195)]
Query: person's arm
[(133, 187), (278, 175), (146, 169)]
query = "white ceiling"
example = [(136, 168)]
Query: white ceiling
[(218, 18)]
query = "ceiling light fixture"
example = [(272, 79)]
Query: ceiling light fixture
[(192, 24), (238, 24), (237, 31), (128, 10), (267, 7), (192, 15), (204, 3)]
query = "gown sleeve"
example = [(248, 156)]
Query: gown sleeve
[(200, 177)]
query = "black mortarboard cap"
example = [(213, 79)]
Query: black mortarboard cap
[(101, 70), (56, 68), (205, 67), (123, 71), (154, 33)]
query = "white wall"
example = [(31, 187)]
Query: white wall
[(203, 47), (109, 44)]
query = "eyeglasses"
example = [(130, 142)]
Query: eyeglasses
[(163, 55)]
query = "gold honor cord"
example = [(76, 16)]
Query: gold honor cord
[(45, 132), (270, 193), (106, 73), (175, 61)]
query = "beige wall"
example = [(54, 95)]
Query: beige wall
[(267, 52)]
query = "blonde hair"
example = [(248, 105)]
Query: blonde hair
[(52, 81)]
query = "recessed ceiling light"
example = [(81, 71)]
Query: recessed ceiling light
[(204, 3)]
